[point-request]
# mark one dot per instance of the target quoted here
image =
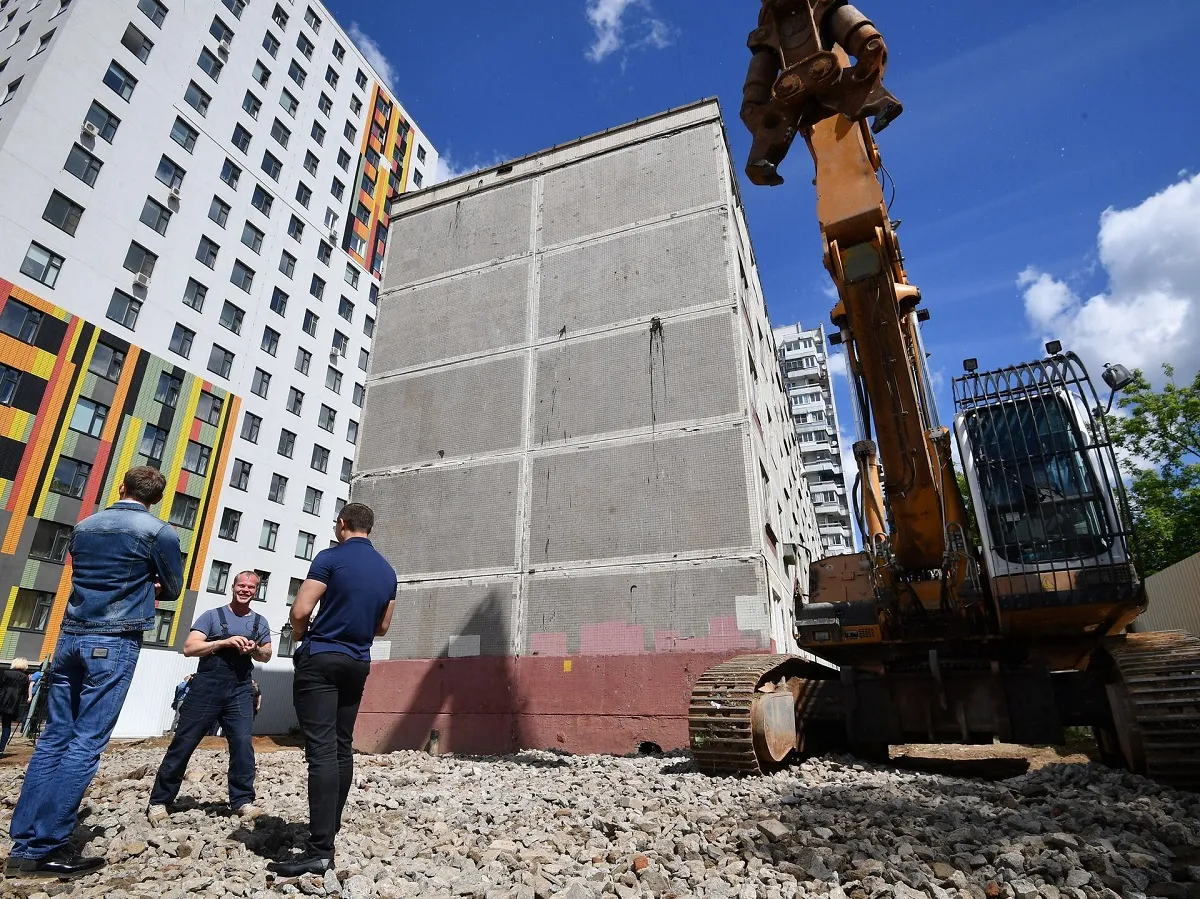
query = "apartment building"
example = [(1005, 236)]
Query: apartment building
[(192, 227), (803, 360)]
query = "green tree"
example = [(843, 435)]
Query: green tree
[(1162, 431)]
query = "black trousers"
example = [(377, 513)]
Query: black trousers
[(327, 690)]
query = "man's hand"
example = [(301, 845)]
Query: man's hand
[(158, 588), (244, 645)]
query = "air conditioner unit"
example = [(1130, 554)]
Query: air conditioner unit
[(142, 280), (175, 193), (89, 128), (334, 356), (333, 237), (223, 52)]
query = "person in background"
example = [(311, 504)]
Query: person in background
[(356, 588), (227, 640), (256, 693), (14, 695), (181, 690), (121, 558)]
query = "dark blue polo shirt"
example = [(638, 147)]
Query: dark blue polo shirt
[(359, 583)]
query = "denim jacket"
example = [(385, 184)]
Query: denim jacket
[(116, 556)]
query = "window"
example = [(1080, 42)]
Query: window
[(355, 105), (287, 263), (184, 510), (251, 104), (347, 467), (261, 383), (222, 32), (364, 359), (350, 132), (62, 212), (11, 90), (325, 105), (317, 287), (251, 425), (261, 73), (303, 194), (271, 166), (357, 244), (295, 228), (88, 417), (361, 79), (327, 418), (104, 121), (337, 189), (160, 630), (311, 20), (235, 6), (367, 186), (318, 134), (31, 610), (42, 265), (241, 138), (44, 42), (181, 340), (303, 361), (268, 535), (346, 309), (270, 341), (120, 81), (10, 380), (262, 201), (218, 211), (324, 253), (231, 173), (83, 165), (363, 213), (232, 317), (312, 501), (295, 401), (154, 443), (51, 541), (207, 251), (242, 275), (124, 309), (333, 379), (369, 326), (194, 294), (218, 577), (289, 103), (310, 322), (270, 43), (137, 43), (169, 387), (208, 409), (341, 343), (70, 477), (278, 488), (351, 277), (154, 215), (343, 160), (320, 459), (169, 172), (196, 458), (359, 395), (420, 153), (352, 431), (417, 177), (139, 260), (154, 10), (106, 361), (304, 545), (279, 302), (287, 443), (209, 64), (296, 73), (196, 98), (231, 520), (252, 237), (280, 133), (220, 361)]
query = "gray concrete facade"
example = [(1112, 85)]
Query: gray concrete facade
[(575, 437)]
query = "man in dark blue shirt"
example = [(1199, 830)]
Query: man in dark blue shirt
[(356, 588)]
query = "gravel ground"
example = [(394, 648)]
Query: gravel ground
[(539, 824)]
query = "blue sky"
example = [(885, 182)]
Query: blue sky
[(1025, 121)]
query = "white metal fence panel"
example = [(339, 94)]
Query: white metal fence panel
[(1174, 599)]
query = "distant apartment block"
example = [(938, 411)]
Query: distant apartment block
[(803, 360)]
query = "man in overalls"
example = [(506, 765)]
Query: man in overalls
[(227, 640)]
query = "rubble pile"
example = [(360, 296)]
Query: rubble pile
[(541, 824)]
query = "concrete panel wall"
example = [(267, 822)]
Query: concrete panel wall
[(452, 621), (1174, 595)]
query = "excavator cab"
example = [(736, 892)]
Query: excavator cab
[(1050, 503)]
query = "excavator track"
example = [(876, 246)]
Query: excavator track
[(1156, 705), (743, 715)]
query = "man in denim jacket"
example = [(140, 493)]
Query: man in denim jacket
[(121, 559)]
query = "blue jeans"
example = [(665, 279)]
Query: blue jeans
[(88, 682), (215, 697)]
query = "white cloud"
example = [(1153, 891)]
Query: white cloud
[(613, 21), (1150, 312), (376, 57), (448, 168), (837, 364)]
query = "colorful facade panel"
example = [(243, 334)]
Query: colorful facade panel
[(78, 406)]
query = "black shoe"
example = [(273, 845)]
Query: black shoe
[(14, 866), (301, 864), (61, 865)]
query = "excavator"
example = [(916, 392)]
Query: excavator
[(937, 632)]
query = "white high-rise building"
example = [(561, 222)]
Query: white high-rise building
[(192, 224), (803, 359)]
